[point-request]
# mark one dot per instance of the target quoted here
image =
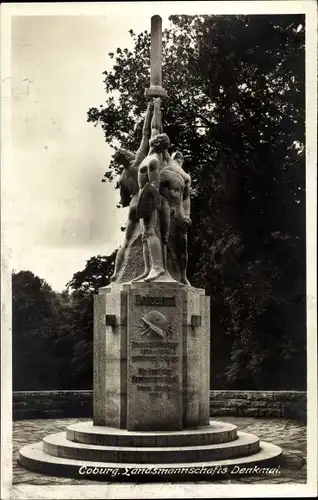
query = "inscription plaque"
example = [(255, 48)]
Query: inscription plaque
[(155, 360)]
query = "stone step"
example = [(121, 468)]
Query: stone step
[(33, 457), (58, 445), (214, 433)]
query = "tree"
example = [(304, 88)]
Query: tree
[(35, 327), (236, 111), (64, 343), (97, 273), (82, 286), (53, 332)]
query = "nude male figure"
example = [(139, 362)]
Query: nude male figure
[(174, 186), (129, 188)]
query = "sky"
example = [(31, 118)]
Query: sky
[(59, 214)]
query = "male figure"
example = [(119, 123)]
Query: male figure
[(128, 184), (150, 199), (174, 186)]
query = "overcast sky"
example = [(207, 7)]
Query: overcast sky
[(60, 213)]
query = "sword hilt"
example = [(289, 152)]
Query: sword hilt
[(156, 91)]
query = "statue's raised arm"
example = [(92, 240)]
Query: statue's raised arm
[(158, 143), (144, 144)]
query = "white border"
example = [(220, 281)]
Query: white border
[(146, 9), (311, 238)]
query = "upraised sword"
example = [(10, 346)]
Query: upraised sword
[(156, 89)]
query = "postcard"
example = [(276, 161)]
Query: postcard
[(159, 267)]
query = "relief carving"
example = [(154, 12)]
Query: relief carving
[(156, 323)]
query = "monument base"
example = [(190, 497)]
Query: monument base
[(151, 356), (86, 451), (151, 397)]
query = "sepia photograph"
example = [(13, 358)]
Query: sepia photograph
[(158, 249)]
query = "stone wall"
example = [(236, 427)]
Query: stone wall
[(286, 404), (76, 404), (52, 404)]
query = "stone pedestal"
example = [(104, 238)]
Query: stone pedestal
[(151, 357), (151, 396)]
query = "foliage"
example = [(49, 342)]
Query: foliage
[(84, 284), (236, 111), (35, 327), (97, 273), (53, 332)]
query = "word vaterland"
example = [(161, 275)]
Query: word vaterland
[(151, 407)]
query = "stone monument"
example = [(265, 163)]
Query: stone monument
[(151, 337)]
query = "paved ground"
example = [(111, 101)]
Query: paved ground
[(290, 435)]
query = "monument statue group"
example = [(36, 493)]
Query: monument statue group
[(157, 190), (151, 337)]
